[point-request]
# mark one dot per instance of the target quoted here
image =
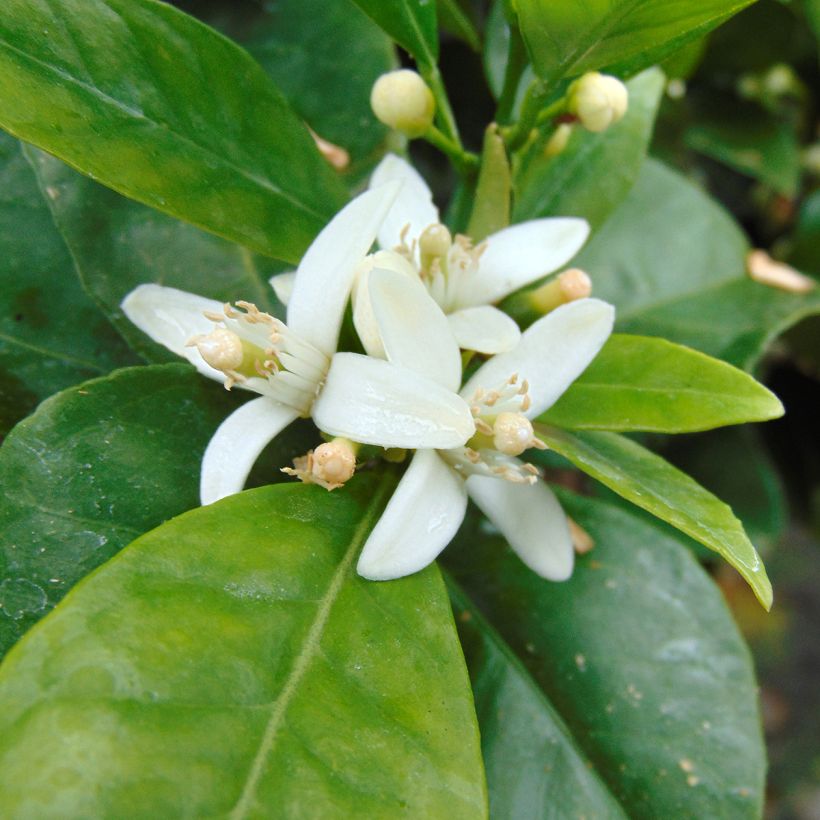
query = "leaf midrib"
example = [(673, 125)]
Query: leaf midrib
[(310, 649)]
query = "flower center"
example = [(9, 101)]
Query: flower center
[(502, 432), (330, 465), (258, 351)]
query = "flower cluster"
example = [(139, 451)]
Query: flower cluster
[(423, 304)]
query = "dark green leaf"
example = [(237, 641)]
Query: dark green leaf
[(459, 22), (643, 383), (51, 334), (164, 110), (568, 37), (653, 484), (640, 657), (595, 172), (95, 467), (231, 663), (118, 244), (673, 262), (534, 765), (411, 23)]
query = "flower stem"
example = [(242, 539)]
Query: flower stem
[(465, 162), (449, 128)]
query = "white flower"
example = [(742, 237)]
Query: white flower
[(295, 366), (465, 281), (507, 391)]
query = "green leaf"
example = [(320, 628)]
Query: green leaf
[(643, 383), (533, 763), (118, 244), (324, 56), (649, 482), (51, 334), (568, 37), (639, 655), (595, 172), (411, 23), (231, 663), (164, 110), (459, 22), (673, 262), (96, 466)]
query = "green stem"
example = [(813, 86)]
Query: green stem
[(444, 112), (516, 62), (465, 162), (550, 112), (516, 135)]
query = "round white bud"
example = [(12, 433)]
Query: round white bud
[(401, 100), (334, 462), (598, 100), (512, 433), (221, 349)]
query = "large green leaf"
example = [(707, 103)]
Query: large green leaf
[(231, 663), (118, 244), (96, 466), (655, 485), (643, 383), (323, 55), (672, 261), (568, 37), (163, 109), (640, 657), (534, 765), (51, 334), (411, 23), (594, 173)]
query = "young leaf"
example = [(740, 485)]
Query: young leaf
[(232, 663), (649, 384), (533, 762), (595, 172), (568, 37), (164, 110), (51, 334), (653, 484), (640, 657), (674, 262), (118, 244), (95, 467)]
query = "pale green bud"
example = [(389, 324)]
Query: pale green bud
[(401, 100), (598, 100)]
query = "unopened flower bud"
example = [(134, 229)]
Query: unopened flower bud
[(512, 433), (558, 141), (221, 349), (598, 100), (334, 462), (434, 243), (401, 100)]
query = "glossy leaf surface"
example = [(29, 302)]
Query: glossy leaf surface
[(568, 37), (51, 333), (662, 699), (164, 110), (411, 23), (595, 172), (118, 244), (653, 484), (231, 663), (649, 384), (673, 262)]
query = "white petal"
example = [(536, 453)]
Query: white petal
[(364, 319), (236, 445), (520, 254), (325, 274), (423, 515), (282, 284), (171, 317), (375, 402), (551, 354), (414, 330), (485, 329), (413, 206), (531, 519)]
